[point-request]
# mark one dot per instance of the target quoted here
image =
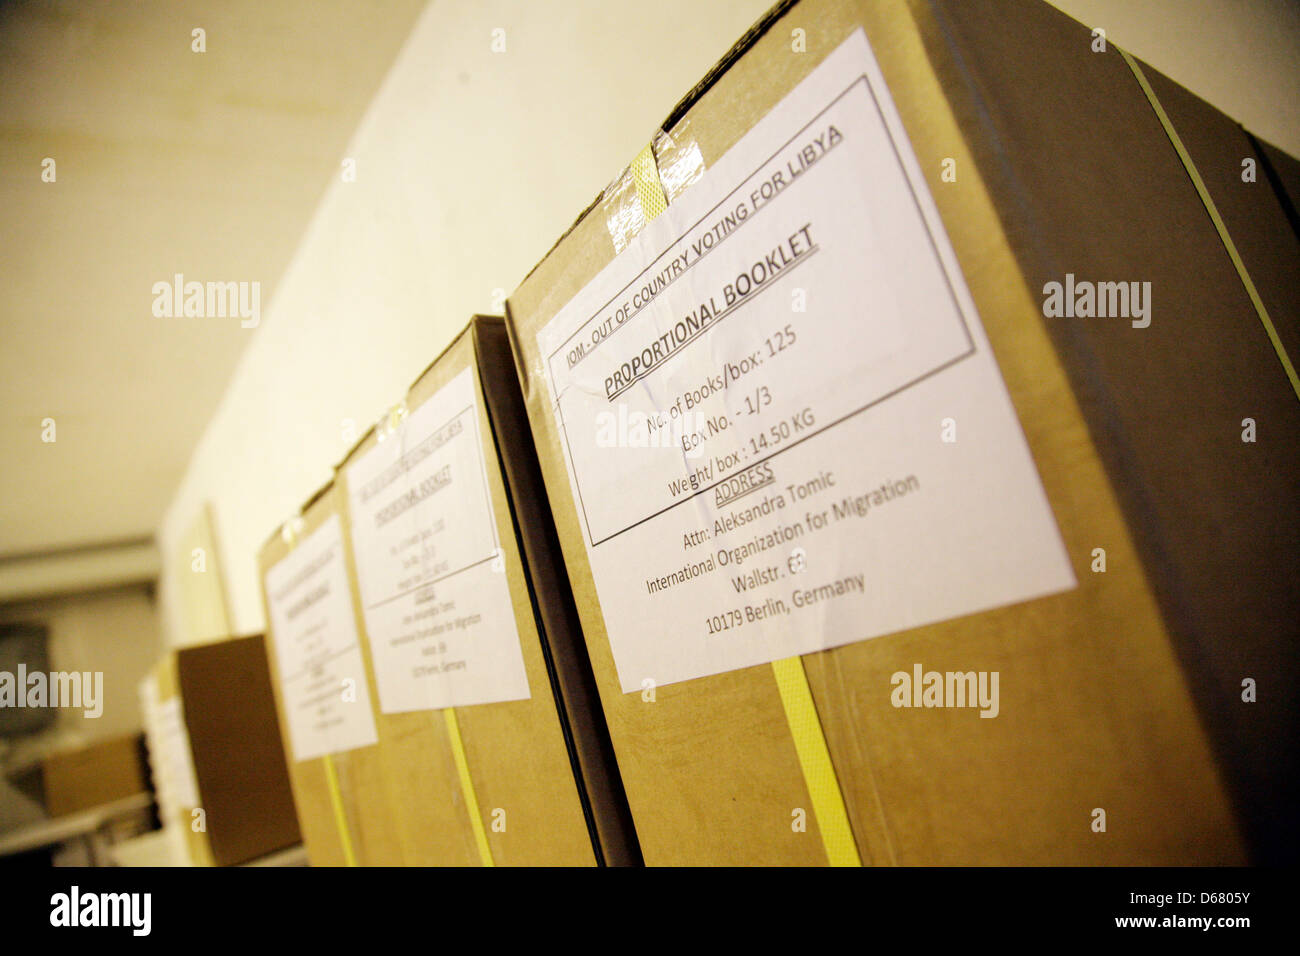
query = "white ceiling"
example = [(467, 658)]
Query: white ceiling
[(208, 164)]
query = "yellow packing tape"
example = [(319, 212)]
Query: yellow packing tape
[(467, 786), (340, 818), (800, 711), (645, 173), (815, 759), (290, 532)]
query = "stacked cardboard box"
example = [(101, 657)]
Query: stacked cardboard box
[(324, 692), (488, 747), (913, 476), (1088, 182), (215, 747)]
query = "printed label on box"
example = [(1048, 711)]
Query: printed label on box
[(322, 674), (436, 602), (784, 427), (176, 756)]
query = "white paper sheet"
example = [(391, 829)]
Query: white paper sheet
[(754, 401), (177, 757), (437, 606), (322, 674)]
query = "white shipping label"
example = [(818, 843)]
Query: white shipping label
[(322, 674), (783, 424), (433, 585), (177, 759)]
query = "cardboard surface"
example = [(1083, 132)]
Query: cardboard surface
[(224, 690), (1216, 521), (1283, 173), (1096, 711), (102, 772), (369, 809), (518, 752), (572, 682)]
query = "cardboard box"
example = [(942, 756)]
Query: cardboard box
[(1167, 418), (1004, 144), (489, 744), (345, 808), (215, 746), (1283, 174), (101, 772)]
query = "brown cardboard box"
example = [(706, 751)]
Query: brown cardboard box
[(540, 766), (367, 832), (1283, 174), (1166, 417), (1096, 712), (222, 754), (108, 770)]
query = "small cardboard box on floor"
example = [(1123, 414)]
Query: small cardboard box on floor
[(325, 692), (81, 778), (99, 773), (860, 559), (215, 750), (491, 745)]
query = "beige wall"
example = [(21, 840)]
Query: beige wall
[(116, 632), (470, 164)]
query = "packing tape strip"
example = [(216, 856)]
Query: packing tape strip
[(1213, 210), (391, 421), (796, 697), (340, 818), (815, 759), (290, 532), (645, 173), (467, 786), (387, 426)]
